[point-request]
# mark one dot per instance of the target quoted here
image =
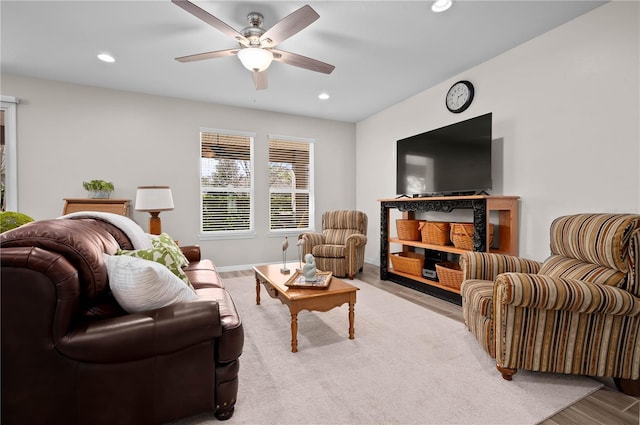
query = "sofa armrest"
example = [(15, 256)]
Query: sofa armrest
[(487, 266), (143, 335), (311, 239), (554, 293), (192, 252)]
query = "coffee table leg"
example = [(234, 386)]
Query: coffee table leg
[(294, 332), (257, 291), (352, 317)]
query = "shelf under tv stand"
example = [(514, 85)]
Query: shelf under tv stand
[(506, 208)]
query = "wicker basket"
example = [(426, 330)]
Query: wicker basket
[(449, 274), (408, 262), (435, 232), (408, 229), (462, 235)]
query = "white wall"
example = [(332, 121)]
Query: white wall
[(565, 107), (565, 110), (70, 133)]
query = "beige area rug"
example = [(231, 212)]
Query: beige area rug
[(406, 365)]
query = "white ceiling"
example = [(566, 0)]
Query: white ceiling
[(383, 51)]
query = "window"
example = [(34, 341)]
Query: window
[(226, 183), (290, 184)]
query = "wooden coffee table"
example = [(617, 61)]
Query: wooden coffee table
[(338, 293)]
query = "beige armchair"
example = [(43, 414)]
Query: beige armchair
[(578, 312), (340, 247)]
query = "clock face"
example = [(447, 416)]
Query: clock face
[(459, 96)]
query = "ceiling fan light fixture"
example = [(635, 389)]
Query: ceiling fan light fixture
[(255, 58), (441, 5)]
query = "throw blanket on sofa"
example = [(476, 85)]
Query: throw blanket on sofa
[(138, 237)]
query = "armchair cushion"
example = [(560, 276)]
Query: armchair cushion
[(141, 285), (338, 236), (570, 268), (601, 239), (553, 293), (312, 239), (329, 251)]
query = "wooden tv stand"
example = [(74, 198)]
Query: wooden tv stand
[(506, 208)]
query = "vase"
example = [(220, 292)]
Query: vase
[(99, 194)]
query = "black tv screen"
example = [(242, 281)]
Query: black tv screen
[(452, 160)]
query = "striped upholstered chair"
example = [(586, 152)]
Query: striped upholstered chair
[(578, 312), (340, 247)]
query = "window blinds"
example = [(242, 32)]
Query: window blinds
[(226, 182), (289, 184)]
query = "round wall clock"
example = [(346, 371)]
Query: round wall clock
[(459, 96)]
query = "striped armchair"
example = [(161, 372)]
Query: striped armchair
[(340, 246), (578, 312)]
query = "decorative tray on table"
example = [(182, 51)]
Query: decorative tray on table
[(321, 281)]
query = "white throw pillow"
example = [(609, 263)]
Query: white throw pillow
[(142, 285)]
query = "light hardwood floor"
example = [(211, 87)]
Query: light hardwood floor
[(606, 406)]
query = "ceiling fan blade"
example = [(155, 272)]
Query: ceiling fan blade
[(260, 79), (288, 26), (302, 61), (211, 20), (207, 55)]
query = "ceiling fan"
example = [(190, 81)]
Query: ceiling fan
[(256, 50)]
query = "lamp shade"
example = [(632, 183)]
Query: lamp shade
[(154, 198), (255, 58)]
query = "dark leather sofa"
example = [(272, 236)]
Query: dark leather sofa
[(71, 355)]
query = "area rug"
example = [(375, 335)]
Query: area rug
[(406, 365)]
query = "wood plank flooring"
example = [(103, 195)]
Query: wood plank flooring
[(606, 406)]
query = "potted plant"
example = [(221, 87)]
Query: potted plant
[(98, 189)]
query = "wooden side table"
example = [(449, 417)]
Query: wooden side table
[(115, 206)]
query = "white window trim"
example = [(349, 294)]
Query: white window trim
[(9, 105), (231, 234), (289, 232)]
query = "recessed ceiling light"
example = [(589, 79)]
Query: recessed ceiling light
[(441, 5), (323, 96), (104, 57)]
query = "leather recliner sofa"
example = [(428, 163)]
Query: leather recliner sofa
[(72, 355)]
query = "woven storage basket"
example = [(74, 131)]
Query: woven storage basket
[(408, 262), (435, 232), (462, 235), (408, 229), (449, 274)]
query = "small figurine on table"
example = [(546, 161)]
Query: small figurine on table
[(309, 268), (300, 244), (285, 245)]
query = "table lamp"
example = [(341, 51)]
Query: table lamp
[(154, 199)]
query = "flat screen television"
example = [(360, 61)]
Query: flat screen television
[(452, 160)]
